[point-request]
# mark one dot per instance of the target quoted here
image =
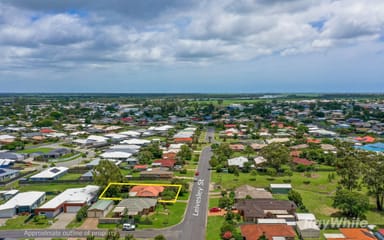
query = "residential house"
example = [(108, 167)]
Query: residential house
[(11, 155), (237, 147), (253, 209), (116, 155), (7, 174), (6, 163), (57, 153), (24, 202), (352, 234), (245, 191), (71, 200), (50, 174), (259, 160), (302, 161), (165, 163), (270, 231), (156, 173), (135, 206), (146, 191), (100, 208), (237, 162)]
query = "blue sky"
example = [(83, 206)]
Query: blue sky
[(213, 46)]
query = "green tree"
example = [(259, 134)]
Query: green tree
[(112, 235), (224, 202), (248, 151), (129, 237), (160, 237), (276, 155), (185, 153), (296, 198), (373, 177), (145, 157), (352, 204), (107, 172), (349, 168)]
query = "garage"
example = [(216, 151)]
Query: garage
[(7, 212), (100, 209), (72, 209)]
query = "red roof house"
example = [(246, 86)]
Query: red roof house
[(169, 163), (47, 130), (312, 140), (146, 191), (302, 161), (366, 139), (255, 231), (183, 140)]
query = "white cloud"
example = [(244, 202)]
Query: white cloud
[(216, 31)]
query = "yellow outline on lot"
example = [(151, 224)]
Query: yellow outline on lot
[(141, 184)]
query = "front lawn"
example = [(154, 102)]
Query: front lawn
[(165, 217), (22, 222), (213, 227), (161, 218)]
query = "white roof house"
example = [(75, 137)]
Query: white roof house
[(116, 136), (116, 155), (125, 146), (238, 161), (50, 173), (6, 137), (95, 138), (71, 200), (136, 141), (130, 133), (25, 200), (73, 195), (259, 160)]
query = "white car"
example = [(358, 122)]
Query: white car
[(128, 227)]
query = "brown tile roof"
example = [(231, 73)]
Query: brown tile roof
[(255, 231), (255, 208), (357, 234)]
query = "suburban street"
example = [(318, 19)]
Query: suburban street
[(191, 228)]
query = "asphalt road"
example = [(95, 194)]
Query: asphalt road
[(193, 226)]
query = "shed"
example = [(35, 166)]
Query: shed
[(280, 188), (100, 209), (308, 230)]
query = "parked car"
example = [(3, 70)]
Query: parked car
[(128, 227), (215, 209)]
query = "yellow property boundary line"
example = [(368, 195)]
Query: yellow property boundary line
[(141, 184)]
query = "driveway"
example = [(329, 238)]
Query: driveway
[(63, 220), (90, 223)]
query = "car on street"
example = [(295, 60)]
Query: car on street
[(128, 227)]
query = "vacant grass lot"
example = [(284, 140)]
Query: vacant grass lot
[(34, 150)]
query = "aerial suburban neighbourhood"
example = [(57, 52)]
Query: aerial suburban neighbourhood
[(192, 167)]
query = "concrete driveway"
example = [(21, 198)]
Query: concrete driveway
[(63, 220)]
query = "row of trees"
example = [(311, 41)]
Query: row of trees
[(358, 169)]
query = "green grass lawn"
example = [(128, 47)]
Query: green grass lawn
[(213, 202), (71, 176), (34, 150), (173, 214), (18, 223), (161, 218), (49, 187), (317, 194), (75, 224), (190, 173), (214, 224)]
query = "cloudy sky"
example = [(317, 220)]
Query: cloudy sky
[(192, 46)]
